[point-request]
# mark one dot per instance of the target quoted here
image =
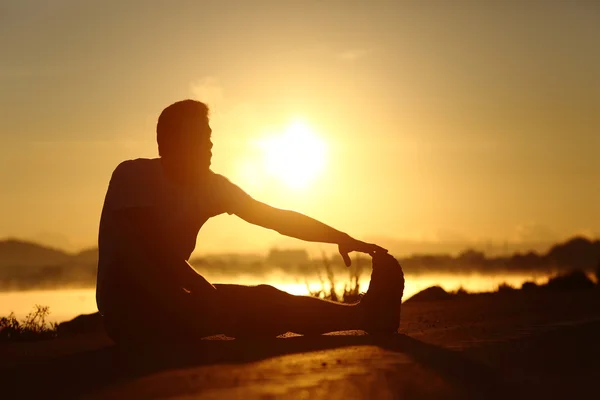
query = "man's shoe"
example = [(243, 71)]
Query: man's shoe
[(383, 299)]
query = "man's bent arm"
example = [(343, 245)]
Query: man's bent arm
[(163, 267)]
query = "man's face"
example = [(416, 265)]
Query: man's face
[(195, 145)]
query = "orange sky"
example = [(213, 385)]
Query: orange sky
[(443, 121)]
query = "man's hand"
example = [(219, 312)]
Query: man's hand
[(349, 245)]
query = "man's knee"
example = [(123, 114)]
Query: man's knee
[(249, 296), (268, 292)]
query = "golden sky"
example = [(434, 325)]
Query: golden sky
[(439, 120)]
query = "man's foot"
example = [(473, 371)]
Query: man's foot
[(382, 302)]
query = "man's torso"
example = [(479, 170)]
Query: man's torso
[(175, 213)]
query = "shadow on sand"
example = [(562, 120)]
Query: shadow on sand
[(86, 372)]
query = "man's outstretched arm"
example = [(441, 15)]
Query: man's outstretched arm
[(300, 226)]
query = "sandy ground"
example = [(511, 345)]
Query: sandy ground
[(509, 345)]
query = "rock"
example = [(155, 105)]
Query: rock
[(431, 294), (86, 323)]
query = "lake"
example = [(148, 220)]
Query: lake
[(67, 303)]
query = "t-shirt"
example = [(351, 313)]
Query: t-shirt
[(181, 210)]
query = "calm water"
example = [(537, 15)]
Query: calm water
[(67, 303)]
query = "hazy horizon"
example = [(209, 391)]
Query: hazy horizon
[(398, 247), (437, 122)]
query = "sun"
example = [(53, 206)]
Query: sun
[(294, 157)]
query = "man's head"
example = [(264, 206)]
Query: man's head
[(183, 136)]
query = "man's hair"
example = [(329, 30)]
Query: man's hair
[(169, 121)]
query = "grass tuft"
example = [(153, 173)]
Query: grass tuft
[(351, 292), (33, 327)]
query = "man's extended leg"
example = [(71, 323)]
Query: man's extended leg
[(266, 311)]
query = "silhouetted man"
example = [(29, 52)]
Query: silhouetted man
[(153, 211)]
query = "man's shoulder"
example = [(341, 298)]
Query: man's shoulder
[(220, 182), (134, 183), (137, 167), (215, 177), (228, 193), (138, 163)]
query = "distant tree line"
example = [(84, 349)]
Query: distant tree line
[(64, 270)]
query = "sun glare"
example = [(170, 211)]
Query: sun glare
[(294, 157)]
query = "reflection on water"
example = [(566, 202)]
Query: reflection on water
[(68, 303)]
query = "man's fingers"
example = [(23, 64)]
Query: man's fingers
[(381, 249), (371, 248), (346, 258), (363, 247)]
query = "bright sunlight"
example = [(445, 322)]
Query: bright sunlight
[(294, 157)]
